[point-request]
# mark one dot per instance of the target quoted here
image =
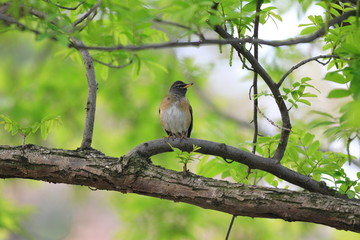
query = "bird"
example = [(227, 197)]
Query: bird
[(176, 112)]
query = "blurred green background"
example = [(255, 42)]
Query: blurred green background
[(36, 80), (42, 78)]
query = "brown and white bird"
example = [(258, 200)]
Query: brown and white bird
[(175, 111)]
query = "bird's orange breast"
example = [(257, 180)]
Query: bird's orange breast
[(175, 114)]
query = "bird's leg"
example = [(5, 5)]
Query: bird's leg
[(183, 135), (170, 135)]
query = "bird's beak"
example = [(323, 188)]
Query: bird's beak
[(188, 85)]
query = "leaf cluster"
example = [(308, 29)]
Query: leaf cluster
[(296, 93), (45, 125), (185, 157)]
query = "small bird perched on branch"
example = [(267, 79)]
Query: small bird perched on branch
[(176, 112)]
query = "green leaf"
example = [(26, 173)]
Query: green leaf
[(336, 77), (304, 101), (136, 66), (350, 194), (211, 168), (339, 93), (35, 127), (323, 114), (309, 30), (296, 84), (274, 183), (156, 65), (269, 178), (286, 90), (313, 147), (47, 124), (308, 138), (322, 123), (249, 7), (295, 94), (309, 95), (104, 72), (305, 79), (293, 103), (278, 17)]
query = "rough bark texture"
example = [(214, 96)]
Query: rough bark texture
[(135, 173)]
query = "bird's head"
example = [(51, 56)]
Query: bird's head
[(180, 88)]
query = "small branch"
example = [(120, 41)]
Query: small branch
[(272, 122), (201, 36), (230, 227), (91, 102), (114, 66), (87, 14), (67, 8), (303, 63), (255, 79), (9, 21)]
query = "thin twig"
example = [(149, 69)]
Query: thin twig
[(272, 122), (113, 66), (244, 63), (67, 8), (9, 21), (303, 63), (348, 142), (159, 20), (87, 14), (255, 87), (230, 227)]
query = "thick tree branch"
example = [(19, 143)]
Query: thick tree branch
[(275, 43), (286, 125), (134, 174), (222, 150)]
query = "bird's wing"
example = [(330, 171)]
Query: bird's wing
[(191, 122)]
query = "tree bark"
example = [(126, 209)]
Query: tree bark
[(91, 101), (134, 173)]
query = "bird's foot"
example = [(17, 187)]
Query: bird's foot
[(169, 137)]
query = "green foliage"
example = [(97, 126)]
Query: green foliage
[(10, 218), (296, 93), (50, 80), (185, 157), (45, 125), (211, 166)]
